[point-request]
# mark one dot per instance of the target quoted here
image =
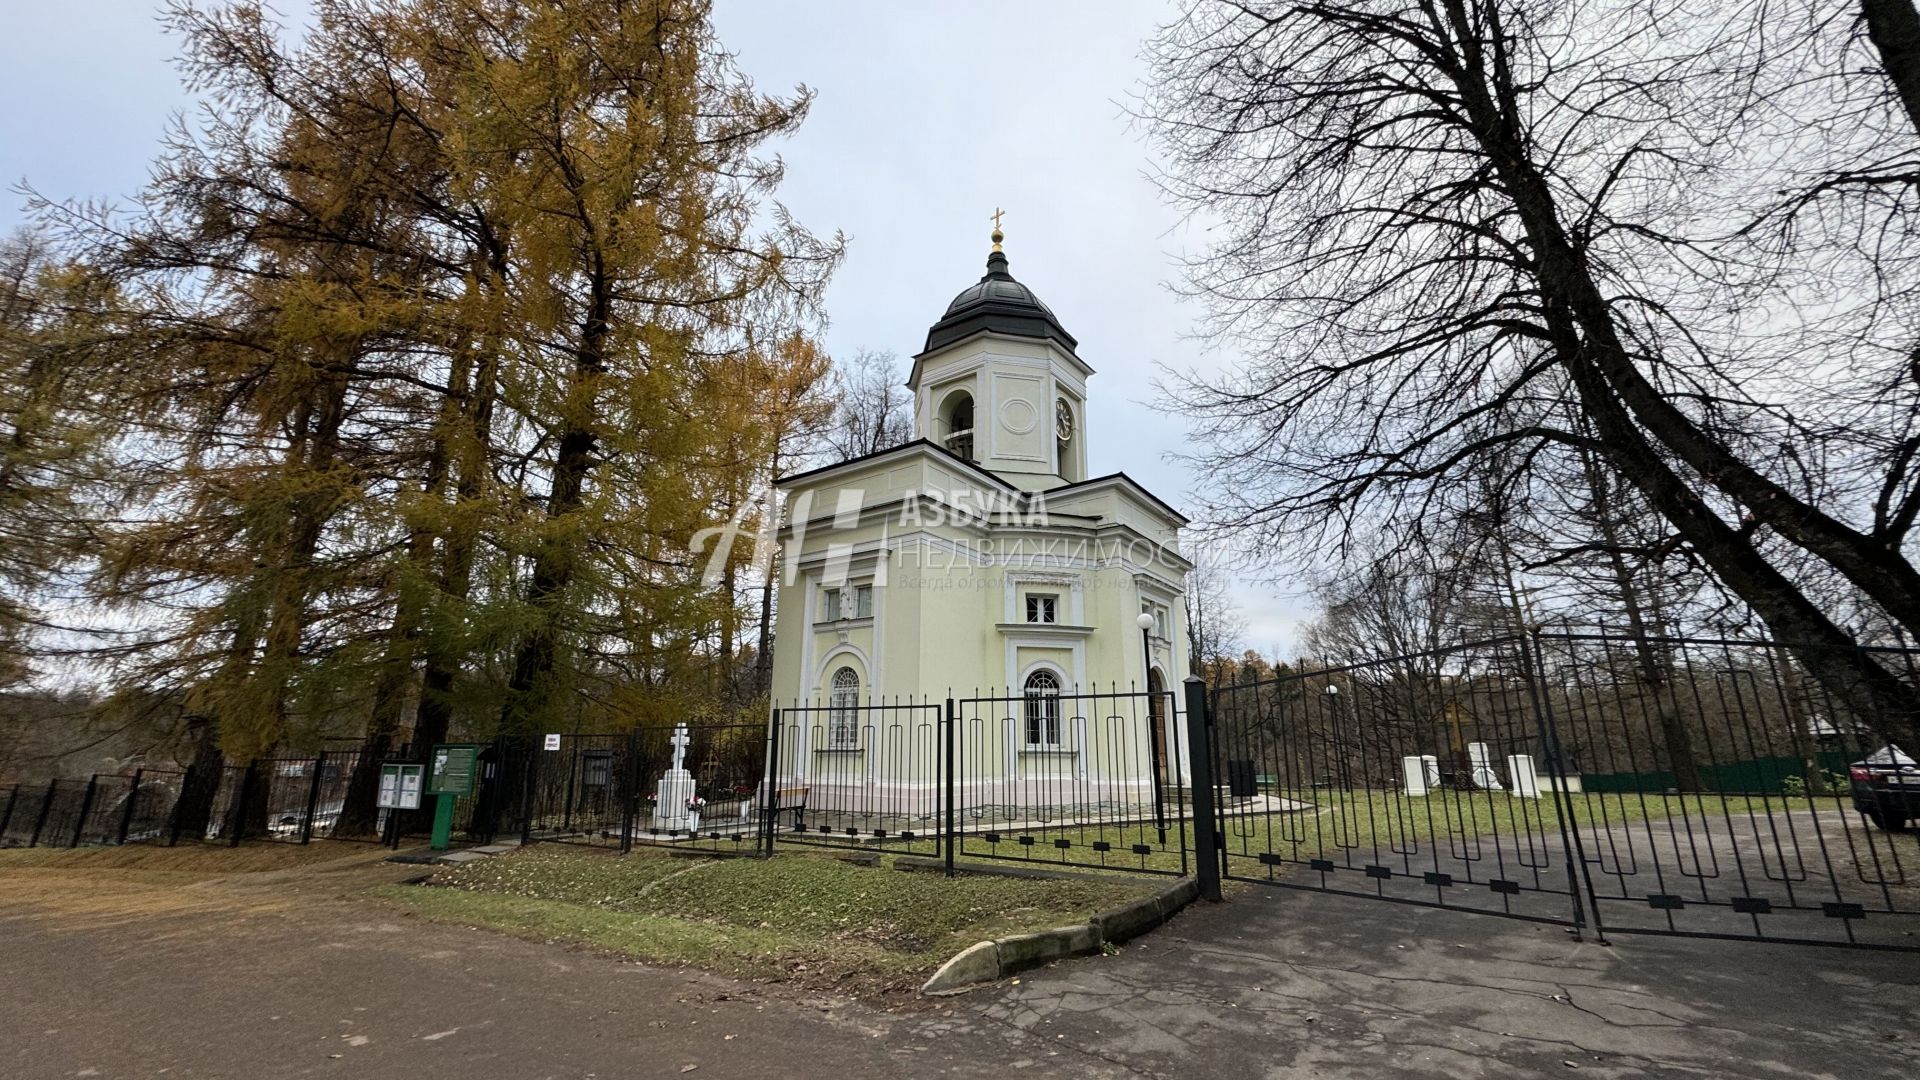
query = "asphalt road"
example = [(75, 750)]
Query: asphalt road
[(1296, 985), (1275, 984)]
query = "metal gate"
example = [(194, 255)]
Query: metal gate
[(1704, 788)]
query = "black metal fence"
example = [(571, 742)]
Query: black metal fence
[(853, 775), (1043, 776), (1619, 785), (282, 799), (694, 785), (1085, 779)]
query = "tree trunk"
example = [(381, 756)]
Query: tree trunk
[(554, 559), (763, 658), (193, 811), (360, 814), (1851, 676), (1894, 28)]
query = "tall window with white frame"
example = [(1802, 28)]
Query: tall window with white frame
[(843, 711), (1043, 710)]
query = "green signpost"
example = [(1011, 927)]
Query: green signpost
[(454, 768)]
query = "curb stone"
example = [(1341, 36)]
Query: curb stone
[(988, 961)]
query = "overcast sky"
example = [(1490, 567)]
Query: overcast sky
[(927, 119)]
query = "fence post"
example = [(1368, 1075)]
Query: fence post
[(126, 815), (1532, 662), (40, 822), (239, 823), (1206, 866), (86, 807), (770, 803), (526, 794), (173, 815), (573, 772), (6, 818), (485, 820), (630, 789), (953, 839), (313, 799)]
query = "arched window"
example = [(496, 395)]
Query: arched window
[(1063, 450), (1043, 709), (843, 711), (959, 418)]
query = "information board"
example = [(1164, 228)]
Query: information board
[(400, 786), (455, 765)]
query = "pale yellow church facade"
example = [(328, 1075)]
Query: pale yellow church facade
[(981, 561)]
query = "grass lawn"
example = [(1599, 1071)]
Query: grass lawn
[(186, 859), (85, 887), (811, 919), (1365, 820)]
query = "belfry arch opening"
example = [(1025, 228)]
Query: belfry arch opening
[(956, 415)]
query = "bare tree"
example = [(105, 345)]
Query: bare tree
[(874, 412), (1451, 229), (1215, 624)]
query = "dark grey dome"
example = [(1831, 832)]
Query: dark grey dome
[(1000, 304)]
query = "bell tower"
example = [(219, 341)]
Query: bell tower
[(1000, 384)]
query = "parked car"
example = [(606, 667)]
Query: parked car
[(1886, 788)]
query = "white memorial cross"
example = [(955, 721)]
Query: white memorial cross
[(680, 741), (670, 810)]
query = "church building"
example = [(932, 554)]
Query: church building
[(981, 558)]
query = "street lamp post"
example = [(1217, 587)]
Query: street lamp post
[(1343, 769), (1155, 732)]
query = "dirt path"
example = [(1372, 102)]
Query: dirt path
[(281, 973)]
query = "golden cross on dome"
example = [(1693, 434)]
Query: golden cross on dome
[(997, 234)]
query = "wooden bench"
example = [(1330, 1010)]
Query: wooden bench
[(790, 798)]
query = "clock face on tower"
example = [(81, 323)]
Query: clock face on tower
[(1062, 420)]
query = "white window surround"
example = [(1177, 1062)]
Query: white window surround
[(849, 601), (819, 649), (1075, 643), (1071, 588), (1161, 618)]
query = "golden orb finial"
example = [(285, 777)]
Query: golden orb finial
[(998, 236)]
